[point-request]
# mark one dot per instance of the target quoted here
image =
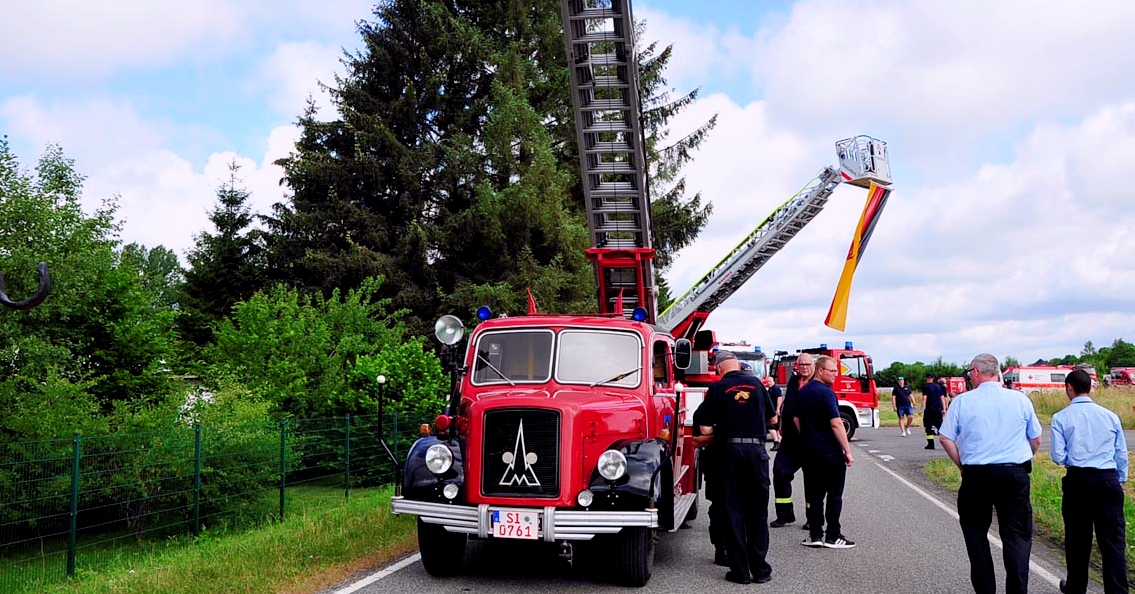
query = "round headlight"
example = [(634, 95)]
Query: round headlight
[(585, 498), (449, 330), (439, 458), (612, 465), (450, 491)]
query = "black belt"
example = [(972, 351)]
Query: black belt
[(744, 440), (1091, 470), (1028, 465)]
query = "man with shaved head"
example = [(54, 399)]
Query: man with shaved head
[(991, 433)]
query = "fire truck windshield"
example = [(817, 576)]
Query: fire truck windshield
[(599, 357), (513, 356)]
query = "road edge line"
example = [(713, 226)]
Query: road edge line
[(993, 538), (380, 574)]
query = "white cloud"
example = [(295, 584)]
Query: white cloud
[(1028, 257), (90, 38), (163, 199), (946, 67), (295, 71), (83, 39)]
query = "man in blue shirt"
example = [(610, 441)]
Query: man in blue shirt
[(903, 403), (1088, 439), (826, 456), (992, 433)]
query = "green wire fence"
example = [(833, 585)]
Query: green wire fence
[(65, 500)]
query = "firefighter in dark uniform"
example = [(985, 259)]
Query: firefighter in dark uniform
[(933, 408), (738, 410), (708, 463), (788, 457)]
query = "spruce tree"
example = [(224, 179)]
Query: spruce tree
[(226, 267)]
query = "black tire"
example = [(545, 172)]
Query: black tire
[(442, 551), (849, 424), (634, 550)]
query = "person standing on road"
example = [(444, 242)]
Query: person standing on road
[(991, 434), (933, 408), (826, 456), (788, 456), (903, 403), (1088, 440), (709, 464), (738, 411)]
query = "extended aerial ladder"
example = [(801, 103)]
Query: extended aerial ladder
[(862, 160), (605, 96)]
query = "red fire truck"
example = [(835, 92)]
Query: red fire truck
[(855, 389), (1122, 376), (574, 429)]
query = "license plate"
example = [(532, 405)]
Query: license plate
[(515, 523)]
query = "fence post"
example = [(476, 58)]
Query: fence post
[(73, 533), (347, 456), (196, 479), (394, 436), (283, 463)]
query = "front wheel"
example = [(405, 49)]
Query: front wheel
[(848, 424), (442, 551), (634, 551)]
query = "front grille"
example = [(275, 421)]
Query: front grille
[(522, 453)]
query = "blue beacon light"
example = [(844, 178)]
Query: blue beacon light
[(484, 313), (639, 314)]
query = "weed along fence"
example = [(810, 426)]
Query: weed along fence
[(67, 503)]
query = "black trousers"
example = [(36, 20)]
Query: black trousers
[(784, 468), (931, 421), (715, 492), (1006, 489), (1093, 498), (746, 502), (823, 496)]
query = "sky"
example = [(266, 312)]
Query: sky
[(1010, 126)]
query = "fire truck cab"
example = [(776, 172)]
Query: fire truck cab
[(561, 429), (855, 389)]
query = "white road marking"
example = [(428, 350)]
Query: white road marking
[(872, 451), (886, 458), (378, 575), (993, 539)]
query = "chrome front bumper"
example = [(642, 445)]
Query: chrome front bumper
[(555, 524)]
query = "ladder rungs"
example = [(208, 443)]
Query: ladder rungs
[(606, 105), (609, 82), (604, 59), (609, 147), (616, 167), (600, 37), (595, 13)]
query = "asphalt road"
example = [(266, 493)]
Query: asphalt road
[(905, 526)]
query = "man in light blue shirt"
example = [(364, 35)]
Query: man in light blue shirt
[(1088, 439), (991, 433)]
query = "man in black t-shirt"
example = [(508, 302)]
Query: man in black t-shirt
[(903, 404), (826, 454), (933, 407)]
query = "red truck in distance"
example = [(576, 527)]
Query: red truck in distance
[(855, 389)]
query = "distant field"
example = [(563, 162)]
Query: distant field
[(1120, 400)]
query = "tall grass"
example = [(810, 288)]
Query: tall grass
[(1120, 400), (308, 551), (1046, 495)]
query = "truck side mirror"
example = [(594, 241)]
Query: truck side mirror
[(683, 352)]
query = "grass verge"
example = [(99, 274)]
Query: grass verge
[(1046, 495), (308, 551)]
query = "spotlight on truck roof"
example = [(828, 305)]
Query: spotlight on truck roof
[(449, 330)]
